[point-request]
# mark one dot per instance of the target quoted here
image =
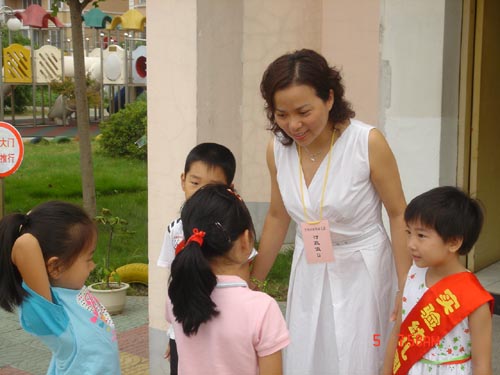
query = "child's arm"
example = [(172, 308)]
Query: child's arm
[(480, 332), (392, 344), (27, 257), (173, 235), (271, 364), (167, 352)]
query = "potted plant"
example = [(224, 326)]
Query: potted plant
[(111, 291)]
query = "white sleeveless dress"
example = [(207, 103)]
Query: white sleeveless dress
[(337, 312)]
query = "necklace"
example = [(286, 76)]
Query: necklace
[(313, 155)]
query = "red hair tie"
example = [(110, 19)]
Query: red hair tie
[(197, 237), (180, 246)]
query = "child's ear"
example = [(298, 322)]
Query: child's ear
[(248, 241), (183, 182), (54, 268), (455, 243)]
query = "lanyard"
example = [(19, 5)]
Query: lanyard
[(324, 182)]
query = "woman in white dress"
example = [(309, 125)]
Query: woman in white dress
[(331, 174)]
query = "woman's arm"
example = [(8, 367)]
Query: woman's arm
[(385, 178), (275, 225), (390, 350), (480, 326), (27, 257), (271, 364)]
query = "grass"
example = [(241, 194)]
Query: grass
[(52, 171), (276, 284)]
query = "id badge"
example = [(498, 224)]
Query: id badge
[(317, 242)]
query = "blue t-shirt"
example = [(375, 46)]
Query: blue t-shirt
[(76, 328)]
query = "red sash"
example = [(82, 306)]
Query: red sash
[(441, 308)]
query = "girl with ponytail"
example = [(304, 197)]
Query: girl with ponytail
[(218, 321), (45, 258)]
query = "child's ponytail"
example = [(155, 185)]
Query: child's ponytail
[(192, 283), (212, 219), (11, 290)]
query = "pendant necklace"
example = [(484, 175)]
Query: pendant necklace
[(313, 155)]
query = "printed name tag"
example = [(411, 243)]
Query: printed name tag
[(317, 242)]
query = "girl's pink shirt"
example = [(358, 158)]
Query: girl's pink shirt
[(250, 325)]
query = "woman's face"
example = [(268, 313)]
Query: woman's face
[(301, 114)]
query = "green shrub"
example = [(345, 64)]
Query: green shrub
[(22, 93), (22, 99), (123, 128)]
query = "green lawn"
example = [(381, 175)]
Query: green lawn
[(52, 171), (277, 280)]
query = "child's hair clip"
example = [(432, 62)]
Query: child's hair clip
[(221, 228), (235, 194)]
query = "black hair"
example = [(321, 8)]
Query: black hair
[(450, 212), (218, 211), (62, 229), (213, 155), (304, 67)]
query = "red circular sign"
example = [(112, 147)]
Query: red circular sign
[(11, 149)]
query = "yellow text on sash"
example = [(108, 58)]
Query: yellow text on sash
[(419, 331)]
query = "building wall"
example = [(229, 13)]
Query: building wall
[(172, 87), (271, 28), (449, 150), (219, 72), (412, 42), (350, 42)]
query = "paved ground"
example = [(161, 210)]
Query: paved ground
[(51, 131), (22, 354)]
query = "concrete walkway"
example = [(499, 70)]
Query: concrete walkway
[(22, 354)]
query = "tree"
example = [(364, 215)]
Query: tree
[(76, 8)]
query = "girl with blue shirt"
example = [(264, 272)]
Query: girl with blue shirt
[(45, 258)]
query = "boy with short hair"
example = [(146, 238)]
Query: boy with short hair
[(207, 163)]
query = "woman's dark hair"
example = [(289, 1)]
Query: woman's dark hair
[(450, 212), (304, 67), (213, 155), (219, 212), (62, 229)]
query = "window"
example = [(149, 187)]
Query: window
[(27, 3)]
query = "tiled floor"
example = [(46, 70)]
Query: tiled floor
[(490, 278), (22, 354)]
